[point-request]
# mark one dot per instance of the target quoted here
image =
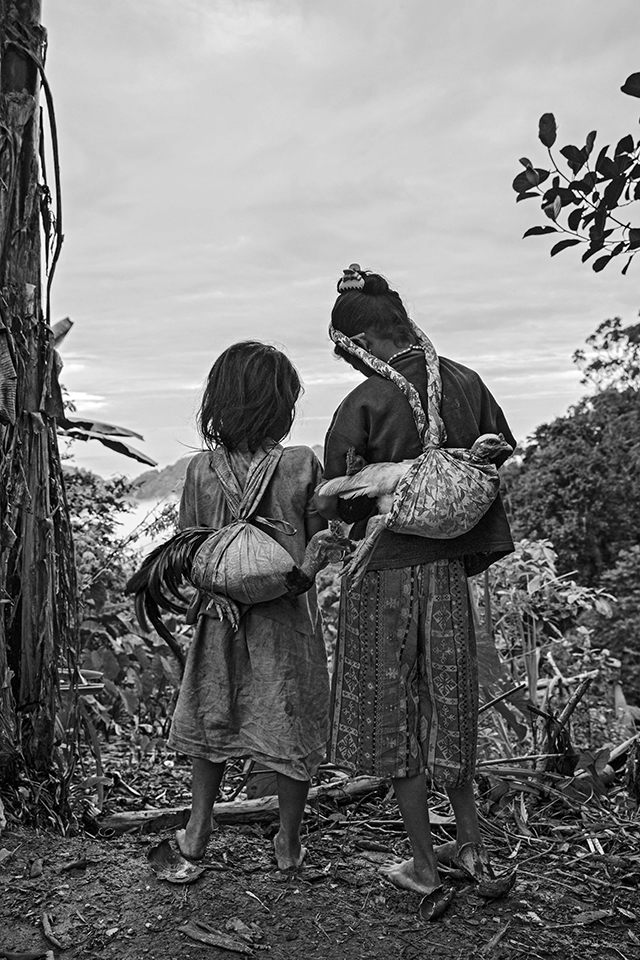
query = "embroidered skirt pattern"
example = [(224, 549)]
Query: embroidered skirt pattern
[(405, 684)]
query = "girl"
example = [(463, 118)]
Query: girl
[(405, 692), (260, 691)]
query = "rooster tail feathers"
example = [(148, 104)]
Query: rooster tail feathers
[(169, 563), (139, 580), (141, 615), (151, 610), (157, 584)]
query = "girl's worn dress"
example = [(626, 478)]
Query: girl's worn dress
[(405, 690), (263, 690)]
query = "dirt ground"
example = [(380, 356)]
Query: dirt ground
[(83, 898)]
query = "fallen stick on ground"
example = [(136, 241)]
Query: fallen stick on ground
[(235, 811), (572, 703), (623, 748)]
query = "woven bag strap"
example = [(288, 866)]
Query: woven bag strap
[(243, 503), (431, 429)]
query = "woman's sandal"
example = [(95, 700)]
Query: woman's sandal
[(434, 905), (473, 858)]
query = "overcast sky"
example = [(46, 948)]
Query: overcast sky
[(223, 160)]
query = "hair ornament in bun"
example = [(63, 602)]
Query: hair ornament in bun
[(352, 278)]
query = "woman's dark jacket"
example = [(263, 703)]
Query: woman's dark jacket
[(376, 420)]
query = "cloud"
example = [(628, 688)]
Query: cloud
[(342, 377), (222, 161)]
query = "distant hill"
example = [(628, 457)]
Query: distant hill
[(157, 484), (168, 482)]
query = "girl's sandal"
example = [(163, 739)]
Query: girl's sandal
[(434, 905), (179, 835)]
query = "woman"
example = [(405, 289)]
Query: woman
[(405, 692)]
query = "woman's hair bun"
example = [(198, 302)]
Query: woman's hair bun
[(375, 285), (355, 278)]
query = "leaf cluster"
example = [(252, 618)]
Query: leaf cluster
[(140, 675), (578, 484), (95, 507), (613, 356), (586, 203), (139, 672), (621, 631), (526, 584)]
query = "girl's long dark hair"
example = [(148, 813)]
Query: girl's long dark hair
[(249, 397)]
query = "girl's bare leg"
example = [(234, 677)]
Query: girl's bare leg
[(206, 778), (420, 873), (292, 796)]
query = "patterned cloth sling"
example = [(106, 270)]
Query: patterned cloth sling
[(241, 561), (445, 492)]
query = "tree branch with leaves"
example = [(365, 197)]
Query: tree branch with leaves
[(587, 204)]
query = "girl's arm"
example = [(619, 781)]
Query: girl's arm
[(314, 524), (315, 518)]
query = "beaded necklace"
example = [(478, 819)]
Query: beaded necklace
[(402, 353)]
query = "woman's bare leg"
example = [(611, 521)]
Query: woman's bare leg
[(464, 808), (420, 873), (292, 796), (206, 778)]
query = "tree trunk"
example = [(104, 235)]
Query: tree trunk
[(37, 589)]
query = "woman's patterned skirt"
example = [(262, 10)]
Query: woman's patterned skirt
[(405, 682)]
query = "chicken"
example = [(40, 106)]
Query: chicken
[(379, 481), (324, 547), (157, 585)]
